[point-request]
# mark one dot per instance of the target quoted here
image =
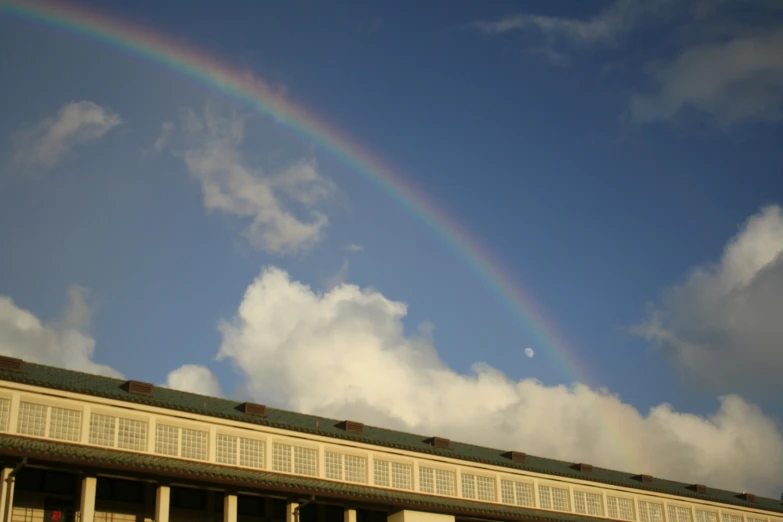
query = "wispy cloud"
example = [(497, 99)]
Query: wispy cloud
[(166, 128), (353, 247), (76, 123), (230, 185)]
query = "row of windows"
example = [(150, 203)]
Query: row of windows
[(116, 432)]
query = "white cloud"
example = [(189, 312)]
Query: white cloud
[(75, 123), (166, 129), (345, 354), (353, 247), (735, 80), (195, 379), (723, 326), (529, 353), (64, 343), (231, 186)]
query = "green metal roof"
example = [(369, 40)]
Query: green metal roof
[(68, 380)]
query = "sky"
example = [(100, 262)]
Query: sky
[(550, 227)]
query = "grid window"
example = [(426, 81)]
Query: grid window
[(679, 514), (756, 519), (481, 488), (402, 475), (334, 465), (554, 498), (427, 480), (251, 453), (167, 440), (305, 461), (132, 435), (518, 493), (445, 482), (728, 517), (32, 419), (650, 512), (102, 429), (194, 444), (706, 516), (621, 508), (588, 503), (226, 449), (381, 473), (281, 457), (355, 469), (468, 486), (67, 425), (5, 413)]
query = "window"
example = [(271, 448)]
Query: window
[(650, 512), (621, 508), (5, 413), (251, 453), (437, 481), (167, 440), (706, 516), (226, 449), (281, 457), (589, 503), (194, 444), (477, 487), (305, 461), (679, 514), (554, 498), (756, 519), (517, 493), (393, 474), (132, 435), (102, 429), (32, 419), (728, 517), (334, 465), (345, 467), (67, 424)]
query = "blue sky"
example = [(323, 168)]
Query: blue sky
[(621, 159)]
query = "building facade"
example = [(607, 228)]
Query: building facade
[(81, 447)]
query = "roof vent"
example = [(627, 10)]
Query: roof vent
[(749, 497), (439, 442), (352, 427), (698, 488), (584, 468), (647, 479), (139, 388), (516, 456), (10, 364), (251, 408)]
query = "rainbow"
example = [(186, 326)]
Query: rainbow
[(207, 70)]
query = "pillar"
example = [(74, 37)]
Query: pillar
[(290, 512), (418, 516), (87, 501), (6, 494), (230, 503), (162, 501), (349, 515)]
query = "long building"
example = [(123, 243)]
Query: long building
[(82, 447)]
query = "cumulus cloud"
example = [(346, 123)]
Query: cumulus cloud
[(75, 123), (232, 186), (344, 353), (722, 325), (736, 80), (64, 342), (194, 378), (529, 353)]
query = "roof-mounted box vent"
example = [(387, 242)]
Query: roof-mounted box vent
[(584, 468), (439, 442), (11, 364), (139, 388), (749, 497), (251, 408), (647, 479), (698, 488), (352, 427), (516, 456)]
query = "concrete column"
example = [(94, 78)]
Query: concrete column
[(418, 516), (162, 501), (87, 501), (230, 503), (6, 494), (349, 515), (290, 511)]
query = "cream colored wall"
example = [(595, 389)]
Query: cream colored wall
[(418, 516), (15, 393)]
